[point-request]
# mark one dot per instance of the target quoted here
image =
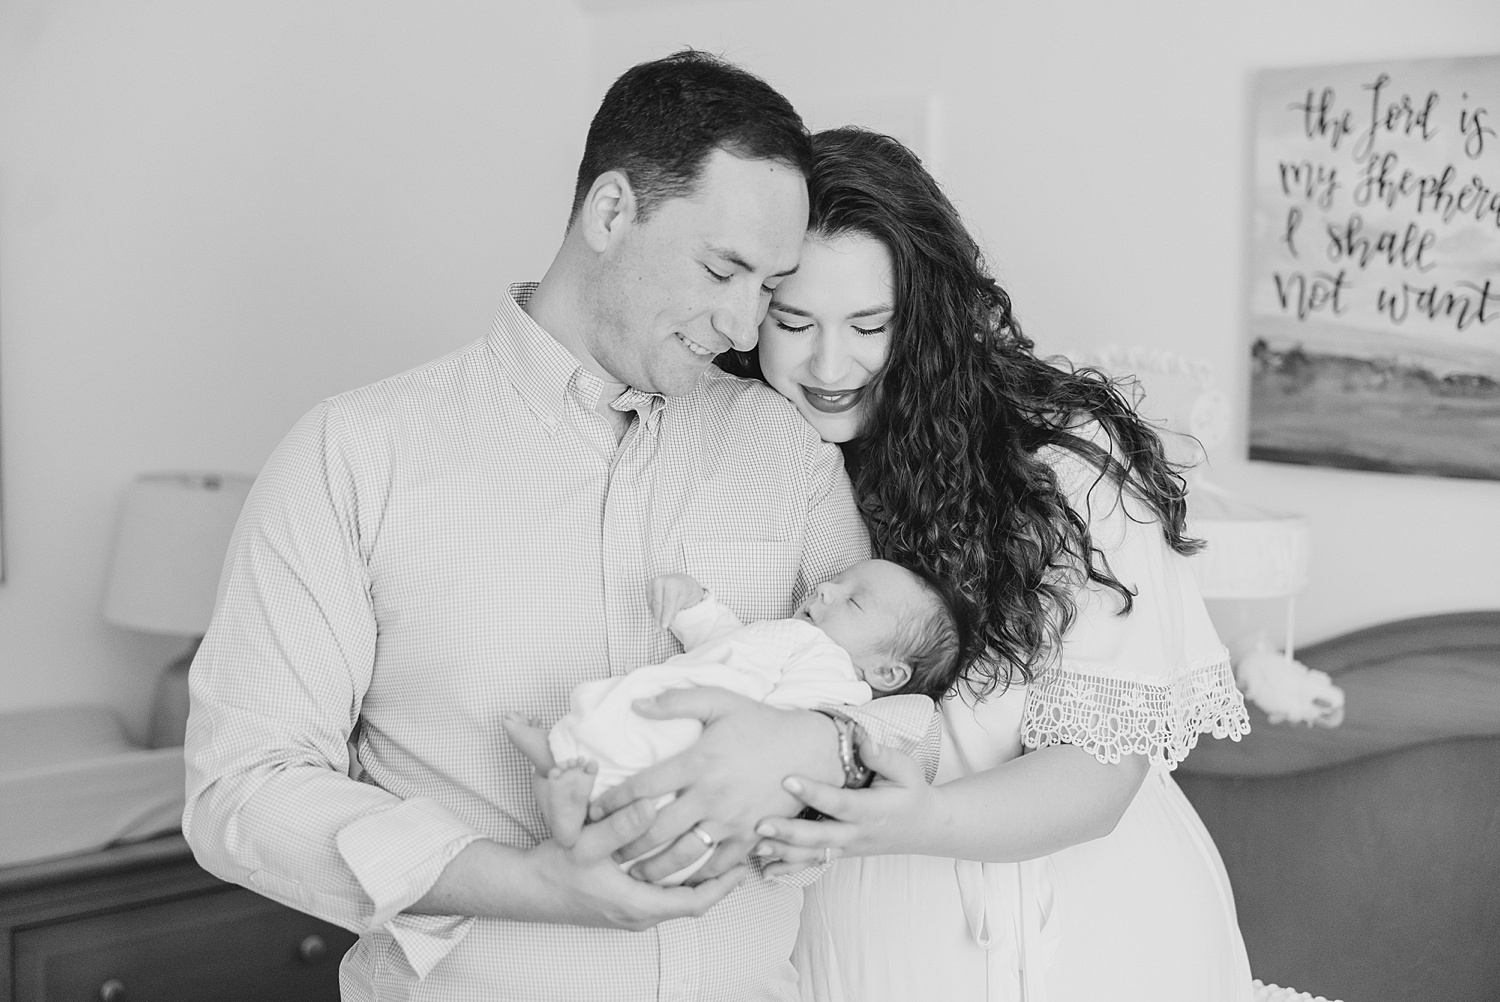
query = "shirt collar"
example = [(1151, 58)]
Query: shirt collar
[(544, 371)]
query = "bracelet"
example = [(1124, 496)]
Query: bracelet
[(857, 775)]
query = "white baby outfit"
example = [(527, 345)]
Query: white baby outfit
[(783, 662)]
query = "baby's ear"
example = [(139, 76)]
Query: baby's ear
[(890, 676)]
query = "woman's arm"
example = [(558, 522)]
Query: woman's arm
[(1030, 806)]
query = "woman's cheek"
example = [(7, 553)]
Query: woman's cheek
[(777, 363)]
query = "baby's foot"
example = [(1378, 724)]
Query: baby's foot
[(564, 798)]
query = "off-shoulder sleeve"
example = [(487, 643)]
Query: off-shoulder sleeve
[(1148, 682)]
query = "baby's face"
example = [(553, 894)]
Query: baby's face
[(861, 608)]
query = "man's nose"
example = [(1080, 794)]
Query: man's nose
[(738, 317)]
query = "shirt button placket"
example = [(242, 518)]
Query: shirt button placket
[(681, 961), (624, 559)]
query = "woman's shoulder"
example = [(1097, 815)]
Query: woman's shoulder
[(1080, 470), (1109, 506)]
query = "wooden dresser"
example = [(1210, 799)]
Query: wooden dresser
[(144, 923)]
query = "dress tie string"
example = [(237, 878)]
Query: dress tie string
[(1012, 915)]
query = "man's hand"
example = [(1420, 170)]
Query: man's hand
[(572, 878), (570, 885), (725, 783), (670, 594)]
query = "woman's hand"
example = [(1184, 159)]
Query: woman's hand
[(894, 815)]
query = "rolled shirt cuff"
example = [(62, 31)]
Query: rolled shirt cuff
[(397, 855)]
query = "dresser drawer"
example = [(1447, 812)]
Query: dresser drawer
[(225, 945)]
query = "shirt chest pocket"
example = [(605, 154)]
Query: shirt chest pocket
[(753, 578)]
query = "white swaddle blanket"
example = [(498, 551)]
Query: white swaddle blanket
[(783, 662)]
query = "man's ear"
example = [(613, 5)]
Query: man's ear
[(890, 676), (608, 209)]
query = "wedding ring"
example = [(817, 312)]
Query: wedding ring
[(708, 839), (827, 854)]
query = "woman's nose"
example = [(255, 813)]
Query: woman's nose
[(829, 363)]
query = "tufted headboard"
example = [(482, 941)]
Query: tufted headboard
[(1365, 859)]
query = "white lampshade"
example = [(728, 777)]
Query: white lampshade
[(1251, 553), (169, 549)]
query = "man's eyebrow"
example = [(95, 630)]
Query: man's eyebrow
[(743, 265)]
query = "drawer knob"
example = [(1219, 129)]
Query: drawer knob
[(312, 949), (112, 990)]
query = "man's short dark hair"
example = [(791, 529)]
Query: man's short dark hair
[(660, 121)]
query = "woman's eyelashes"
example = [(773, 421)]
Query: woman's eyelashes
[(861, 331)]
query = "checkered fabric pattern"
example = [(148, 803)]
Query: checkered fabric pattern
[(426, 554)]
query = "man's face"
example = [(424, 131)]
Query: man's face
[(695, 278)]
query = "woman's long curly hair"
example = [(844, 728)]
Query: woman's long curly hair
[(946, 470)]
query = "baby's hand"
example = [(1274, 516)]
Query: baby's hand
[(563, 796), (671, 593)]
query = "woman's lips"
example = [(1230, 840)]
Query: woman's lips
[(833, 401)]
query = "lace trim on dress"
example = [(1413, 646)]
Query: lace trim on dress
[(1111, 717)]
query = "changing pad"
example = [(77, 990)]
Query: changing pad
[(71, 782)]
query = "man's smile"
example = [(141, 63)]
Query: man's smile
[(694, 346)]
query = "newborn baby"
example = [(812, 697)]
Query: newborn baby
[(875, 626)]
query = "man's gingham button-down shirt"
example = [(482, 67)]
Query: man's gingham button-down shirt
[(426, 554)]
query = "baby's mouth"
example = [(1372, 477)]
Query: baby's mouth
[(833, 401)]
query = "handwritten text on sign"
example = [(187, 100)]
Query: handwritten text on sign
[(1378, 198)]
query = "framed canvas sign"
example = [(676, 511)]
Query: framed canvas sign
[(1375, 287)]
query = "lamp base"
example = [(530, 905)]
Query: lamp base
[(169, 712)]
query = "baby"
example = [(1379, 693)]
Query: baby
[(874, 626)]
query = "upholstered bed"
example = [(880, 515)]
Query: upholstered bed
[(1365, 858)]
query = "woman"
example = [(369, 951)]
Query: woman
[(1077, 871)]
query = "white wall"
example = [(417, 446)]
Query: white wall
[(1101, 150), (212, 216)]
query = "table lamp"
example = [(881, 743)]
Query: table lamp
[(173, 531)]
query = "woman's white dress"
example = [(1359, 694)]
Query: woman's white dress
[(1144, 913)]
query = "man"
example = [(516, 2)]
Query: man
[(450, 551)]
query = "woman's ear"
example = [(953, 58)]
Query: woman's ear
[(890, 676), (607, 210)]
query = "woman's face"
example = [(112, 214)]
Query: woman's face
[(827, 332)]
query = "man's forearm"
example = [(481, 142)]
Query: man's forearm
[(485, 880)]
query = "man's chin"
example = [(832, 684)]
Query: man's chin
[(678, 382)]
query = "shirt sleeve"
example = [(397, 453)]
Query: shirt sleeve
[(704, 623), (276, 691), (836, 538), (1148, 682)]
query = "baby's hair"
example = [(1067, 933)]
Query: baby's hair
[(930, 640)]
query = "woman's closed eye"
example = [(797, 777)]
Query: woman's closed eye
[(872, 331), (789, 328)]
